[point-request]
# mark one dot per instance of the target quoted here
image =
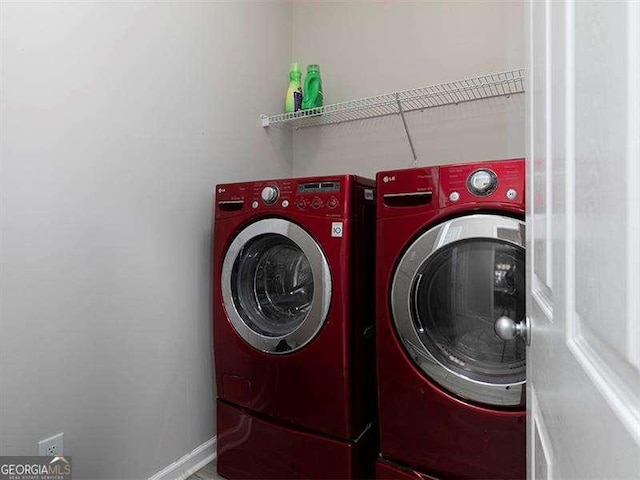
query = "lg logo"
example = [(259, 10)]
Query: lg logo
[(387, 179)]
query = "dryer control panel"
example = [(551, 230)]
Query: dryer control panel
[(429, 190), (496, 182)]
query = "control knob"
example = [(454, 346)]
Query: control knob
[(270, 194), (482, 182)]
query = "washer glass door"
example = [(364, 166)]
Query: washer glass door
[(276, 285), (451, 286)]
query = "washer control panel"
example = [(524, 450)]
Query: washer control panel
[(315, 196)]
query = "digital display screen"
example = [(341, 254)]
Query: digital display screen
[(319, 187)]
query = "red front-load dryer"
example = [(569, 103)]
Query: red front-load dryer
[(450, 264), (293, 327)]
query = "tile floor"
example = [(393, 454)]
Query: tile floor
[(208, 472)]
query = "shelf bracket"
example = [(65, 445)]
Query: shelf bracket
[(406, 130)]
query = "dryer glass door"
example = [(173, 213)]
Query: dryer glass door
[(276, 285), (463, 276)]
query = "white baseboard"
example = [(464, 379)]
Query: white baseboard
[(190, 463)]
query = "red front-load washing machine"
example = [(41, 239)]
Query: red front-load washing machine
[(293, 328), (450, 265)]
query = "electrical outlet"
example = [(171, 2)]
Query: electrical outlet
[(52, 446)]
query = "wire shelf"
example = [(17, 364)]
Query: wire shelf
[(451, 93)]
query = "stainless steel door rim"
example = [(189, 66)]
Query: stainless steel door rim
[(321, 276), (407, 275)]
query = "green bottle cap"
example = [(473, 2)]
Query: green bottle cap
[(294, 67), (314, 67)]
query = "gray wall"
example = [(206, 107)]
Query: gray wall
[(368, 48), (117, 120)]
